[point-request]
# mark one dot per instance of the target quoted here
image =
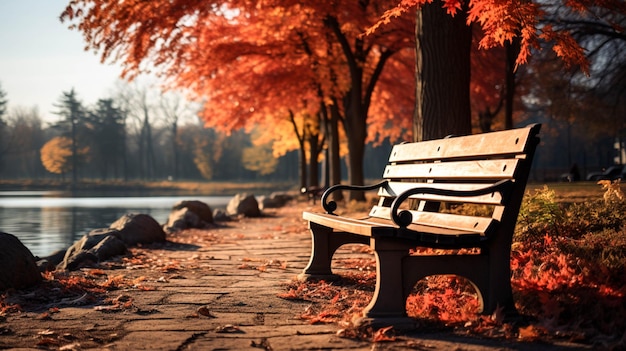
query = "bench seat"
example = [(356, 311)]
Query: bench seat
[(423, 183)]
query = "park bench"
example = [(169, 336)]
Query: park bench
[(423, 183)]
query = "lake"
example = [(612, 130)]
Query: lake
[(47, 221)]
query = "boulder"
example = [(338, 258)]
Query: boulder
[(55, 257), (109, 247), (98, 245), (189, 214), (243, 205), (50, 262), (78, 260), (220, 215), (18, 269), (88, 241), (274, 200), (138, 229), (202, 210)]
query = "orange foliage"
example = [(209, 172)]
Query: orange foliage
[(257, 62), (503, 20), (56, 155)]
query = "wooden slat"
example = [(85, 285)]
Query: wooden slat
[(482, 145), (352, 225), (396, 188), (480, 169), (384, 227), (441, 220)]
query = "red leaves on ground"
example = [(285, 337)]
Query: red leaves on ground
[(566, 297), (384, 334)]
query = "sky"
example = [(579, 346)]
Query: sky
[(40, 58)]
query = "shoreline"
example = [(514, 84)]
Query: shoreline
[(164, 186)]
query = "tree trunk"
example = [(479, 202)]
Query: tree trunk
[(175, 148), (333, 150), (443, 73), (302, 150), (302, 166), (314, 153), (512, 50)]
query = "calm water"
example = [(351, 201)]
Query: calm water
[(48, 221)]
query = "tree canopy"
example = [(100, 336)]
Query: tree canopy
[(250, 60), (349, 64), (504, 21)]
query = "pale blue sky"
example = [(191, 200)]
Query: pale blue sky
[(40, 58)]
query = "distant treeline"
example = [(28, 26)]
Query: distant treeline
[(130, 139)]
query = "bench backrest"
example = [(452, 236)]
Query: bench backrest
[(461, 163)]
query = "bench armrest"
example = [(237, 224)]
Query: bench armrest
[(404, 218), (331, 206)]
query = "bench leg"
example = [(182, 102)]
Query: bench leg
[(324, 244), (388, 305), (498, 294)]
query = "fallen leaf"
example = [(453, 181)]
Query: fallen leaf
[(204, 311), (381, 335), (529, 333)]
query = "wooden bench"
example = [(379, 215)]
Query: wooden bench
[(422, 182)]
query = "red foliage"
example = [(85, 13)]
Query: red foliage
[(564, 296)]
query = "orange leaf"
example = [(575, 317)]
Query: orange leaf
[(381, 335), (529, 333)]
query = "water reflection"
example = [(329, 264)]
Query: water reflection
[(45, 222)]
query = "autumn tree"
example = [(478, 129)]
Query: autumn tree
[(224, 46), (259, 159), (517, 25), (56, 155)]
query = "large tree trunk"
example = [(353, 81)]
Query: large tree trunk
[(443, 73), (355, 128)]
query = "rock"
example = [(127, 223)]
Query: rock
[(81, 252), (109, 247), (78, 260), (88, 241), (56, 257), (138, 229), (180, 219), (202, 210), (189, 214), (220, 216), (244, 205), (18, 269), (50, 262), (275, 200), (281, 198)]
